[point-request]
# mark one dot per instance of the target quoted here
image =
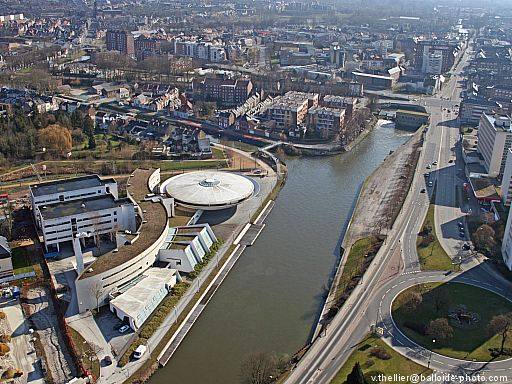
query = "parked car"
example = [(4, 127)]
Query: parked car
[(141, 349), (124, 328), (107, 360), (434, 163)]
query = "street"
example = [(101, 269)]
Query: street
[(369, 304)]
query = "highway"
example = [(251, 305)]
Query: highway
[(369, 304)]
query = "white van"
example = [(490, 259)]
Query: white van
[(141, 349)]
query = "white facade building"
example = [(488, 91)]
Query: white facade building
[(506, 181), (494, 139), (87, 218), (136, 302), (5, 258), (76, 188), (506, 247), (186, 246)]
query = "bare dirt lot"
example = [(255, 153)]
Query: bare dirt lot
[(42, 316)]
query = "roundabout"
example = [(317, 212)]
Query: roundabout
[(418, 349), (451, 319)]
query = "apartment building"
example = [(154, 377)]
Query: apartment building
[(227, 91), (435, 54), (472, 108), (494, 140), (506, 245), (290, 110), (326, 121), (340, 102), (121, 41), (506, 181)]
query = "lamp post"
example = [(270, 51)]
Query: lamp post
[(430, 357)]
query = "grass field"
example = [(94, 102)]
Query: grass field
[(372, 366), (353, 263), (470, 342), (433, 257), (21, 262)]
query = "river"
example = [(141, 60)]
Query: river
[(272, 297)]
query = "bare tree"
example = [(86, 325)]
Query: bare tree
[(501, 324), (259, 368), (411, 300), (440, 299), (96, 290)]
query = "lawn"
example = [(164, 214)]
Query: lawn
[(353, 264), (181, 218), (433, 257), (21, 262), (468, 342), (372, 366)]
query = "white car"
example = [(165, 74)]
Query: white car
[(124, 328), (141, 349)]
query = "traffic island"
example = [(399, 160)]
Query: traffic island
[(456, 320), (376, 358), (431, 253)]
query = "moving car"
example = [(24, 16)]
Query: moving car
[(430, 184)]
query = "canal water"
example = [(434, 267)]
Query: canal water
[(272, 297)]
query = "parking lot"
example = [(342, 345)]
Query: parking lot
[(109, 325)]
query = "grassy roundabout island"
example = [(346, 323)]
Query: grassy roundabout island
[(465, 321)]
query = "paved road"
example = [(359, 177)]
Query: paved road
[(370, 302)]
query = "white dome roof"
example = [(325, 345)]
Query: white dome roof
[(209, 189)]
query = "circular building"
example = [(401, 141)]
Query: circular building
[(209, 190)]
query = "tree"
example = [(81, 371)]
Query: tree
[(440, 329), (88, 125), (440, 300), (77, 119), (501, 324), (484, 239), (356, 376), (96, 290), (260, 368), (56, 138), (91, 144), (411, 300)]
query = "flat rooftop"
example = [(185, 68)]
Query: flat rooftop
[(77, 207), (133, 301), (149, 232), (67, 185), (484, 188)]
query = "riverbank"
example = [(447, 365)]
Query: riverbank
[(378, 204)]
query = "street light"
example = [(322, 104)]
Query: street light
[(430, 357)]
